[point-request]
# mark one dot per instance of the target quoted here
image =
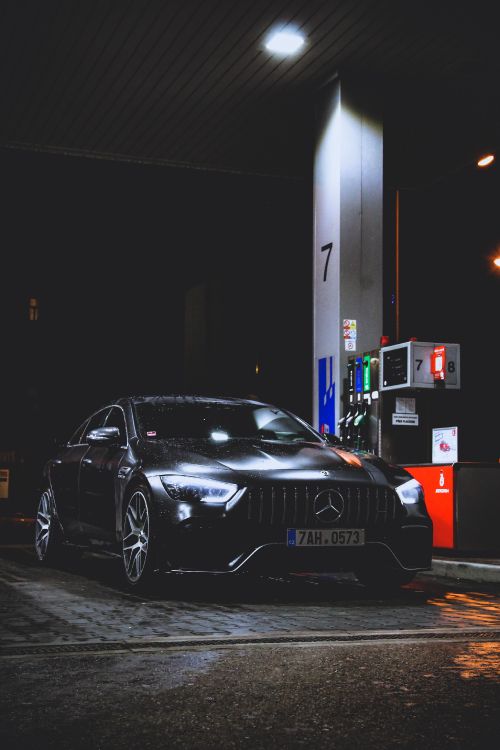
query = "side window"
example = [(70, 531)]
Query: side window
[(116, 419), (75, 438), (96, 421)]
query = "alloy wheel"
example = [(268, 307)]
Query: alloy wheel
[(136, 536), (43, 526)]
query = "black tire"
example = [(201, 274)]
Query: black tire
[(382, 580), (48, 535), (138, 547)]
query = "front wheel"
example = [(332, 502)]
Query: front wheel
[(384, 579), (138, 538), (48, 541)]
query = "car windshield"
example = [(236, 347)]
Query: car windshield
[(219, 422)]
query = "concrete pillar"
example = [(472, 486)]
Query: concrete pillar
[(347, 276)]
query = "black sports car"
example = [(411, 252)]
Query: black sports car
[(222, 485)]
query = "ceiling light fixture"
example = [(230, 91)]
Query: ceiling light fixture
[(285, 42)]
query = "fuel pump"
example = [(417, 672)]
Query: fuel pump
[(342, 427), (354, 413), (393, 398), (360, 426), (419, 384), (354, 424), (345, 423), (350, 407)]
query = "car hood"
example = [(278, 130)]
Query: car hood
[(240, 460)]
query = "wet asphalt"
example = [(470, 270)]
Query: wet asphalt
[(238, 664), (375, 695)]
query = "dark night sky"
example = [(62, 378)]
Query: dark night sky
[(110, 250), (449, 234)]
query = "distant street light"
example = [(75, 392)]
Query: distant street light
[(486, 160)]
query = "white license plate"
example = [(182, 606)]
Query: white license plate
[(325, 537)]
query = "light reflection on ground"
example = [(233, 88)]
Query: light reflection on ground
[(477, 608), (479, 660)]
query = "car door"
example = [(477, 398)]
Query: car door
[(64, 476), (98, 475)]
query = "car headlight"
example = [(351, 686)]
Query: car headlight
[(194, 489), (411, 492)]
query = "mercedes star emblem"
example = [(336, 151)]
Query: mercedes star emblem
[(328, 506)]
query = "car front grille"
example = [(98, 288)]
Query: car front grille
[(293, 506)]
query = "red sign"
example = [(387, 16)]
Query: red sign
[(437, 482), (438, 362)]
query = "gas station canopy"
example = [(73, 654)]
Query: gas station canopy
[(192, 83)]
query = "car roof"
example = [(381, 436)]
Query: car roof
[(192, 399)]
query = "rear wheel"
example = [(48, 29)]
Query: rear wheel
[(48, 538), (384, 579), (138, 538)]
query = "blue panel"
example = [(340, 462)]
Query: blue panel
[(292, 537), (359, 374), (326, 395)]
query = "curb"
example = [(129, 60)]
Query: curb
[(470, 571), (302, 638)]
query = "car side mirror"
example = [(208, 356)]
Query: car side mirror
[(104, 436), (332, 439)]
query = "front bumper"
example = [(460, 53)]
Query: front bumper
[(253, 538), (198, 548)]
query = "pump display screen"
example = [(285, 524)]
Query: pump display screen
[(395, 367), (420, 364)]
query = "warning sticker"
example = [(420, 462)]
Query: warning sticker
[(350, 329)]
